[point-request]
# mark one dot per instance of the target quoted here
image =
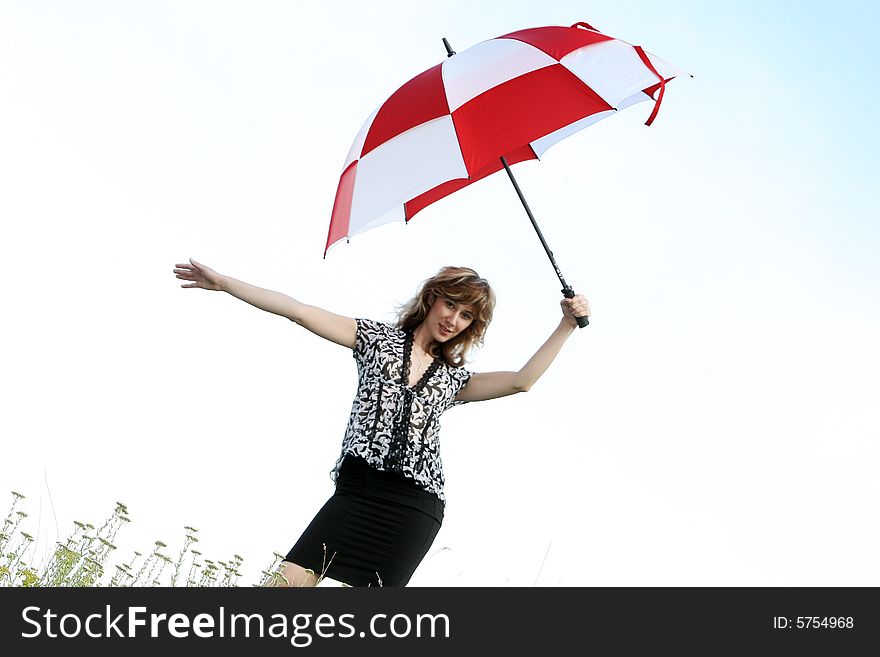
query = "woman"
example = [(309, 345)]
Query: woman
[(389, 500)]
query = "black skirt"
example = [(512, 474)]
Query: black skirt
[(374, 531)]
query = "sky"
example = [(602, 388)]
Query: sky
[(716, 424)]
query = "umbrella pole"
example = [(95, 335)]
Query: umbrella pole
[(566, 288)]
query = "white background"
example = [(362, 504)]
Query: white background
[(716, 424)]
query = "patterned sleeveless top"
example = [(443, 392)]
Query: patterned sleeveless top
[(394, 427)]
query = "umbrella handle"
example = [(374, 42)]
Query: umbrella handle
[(583, 320)]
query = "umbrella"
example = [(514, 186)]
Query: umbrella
[(497, 103)]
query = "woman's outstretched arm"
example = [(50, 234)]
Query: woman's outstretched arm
[(336, 328), (489, 385)]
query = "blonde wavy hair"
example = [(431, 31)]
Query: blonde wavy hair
[(462, 285)]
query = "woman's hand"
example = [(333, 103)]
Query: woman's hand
[(200, 275), (577, 306)]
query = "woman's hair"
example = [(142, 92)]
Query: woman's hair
[(462, 285)]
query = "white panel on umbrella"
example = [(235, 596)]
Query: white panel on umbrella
[(394, 214), (613, 69), (666, 69), (402, 168), (358, 145), (541, 145), (486, 65)]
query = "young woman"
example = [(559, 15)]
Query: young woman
[(389, 500)]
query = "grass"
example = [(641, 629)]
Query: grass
[(83, 558)]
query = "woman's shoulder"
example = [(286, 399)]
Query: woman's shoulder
[(375, 326), (457, 373)]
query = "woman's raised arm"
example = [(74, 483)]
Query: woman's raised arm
[(490, 385), (336, 328)]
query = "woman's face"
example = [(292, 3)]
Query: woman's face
[(448, 318)]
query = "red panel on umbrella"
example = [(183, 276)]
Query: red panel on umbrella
[(419, 100), (557, 41), (339, 220), (520, 111)]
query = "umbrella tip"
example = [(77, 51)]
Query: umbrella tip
[(449, 51)]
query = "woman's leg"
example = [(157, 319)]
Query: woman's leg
[(293, 575)]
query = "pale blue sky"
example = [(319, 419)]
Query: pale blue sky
[(715, 425)]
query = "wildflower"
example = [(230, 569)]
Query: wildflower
[(29, 578)]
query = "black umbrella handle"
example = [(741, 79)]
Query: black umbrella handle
[(566, 288), (583, 320)]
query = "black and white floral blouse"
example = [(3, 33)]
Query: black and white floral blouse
[(394, 427)]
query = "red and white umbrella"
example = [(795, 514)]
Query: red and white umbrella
[(499, 102)]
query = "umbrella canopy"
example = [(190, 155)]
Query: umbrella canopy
[(512, 97)]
